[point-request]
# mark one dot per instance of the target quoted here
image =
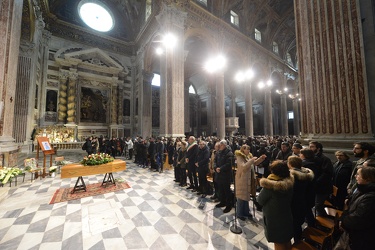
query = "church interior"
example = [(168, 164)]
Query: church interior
[(124, 68)]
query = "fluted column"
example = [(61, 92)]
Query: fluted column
[(172, 20), (120, 103), (268, 125), (62, 115), (187, 110), (114, 101), (284, 115), (72, 97), (220, 104), (332, 75), (296, 120), (249, 121), (10, 30), (211, 107), (146, 105)]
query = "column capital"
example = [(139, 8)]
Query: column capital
[(73, 75), (147, 76), (63, 74), (26, 48)]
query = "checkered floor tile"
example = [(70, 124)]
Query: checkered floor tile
[(155, 213)]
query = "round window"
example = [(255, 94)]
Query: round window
[(96, 15)]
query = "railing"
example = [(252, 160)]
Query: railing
[(66, 145)]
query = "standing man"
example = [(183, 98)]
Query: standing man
[(191, 159), (203, 159), (324, 179), (159, 153), (129, 144), (363, 151), (284, 153), (223, 170)]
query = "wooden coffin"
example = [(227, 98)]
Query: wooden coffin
[(77, 169)]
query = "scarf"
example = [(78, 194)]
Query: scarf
[(194, 143), (274, 177)]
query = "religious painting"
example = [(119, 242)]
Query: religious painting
[(94, 105), (51, 106)]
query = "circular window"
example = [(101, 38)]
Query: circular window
[(96, 15)]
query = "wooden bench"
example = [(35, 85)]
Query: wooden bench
[(79, 170)]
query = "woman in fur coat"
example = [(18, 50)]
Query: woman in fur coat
[(276, 197), (245, 180)]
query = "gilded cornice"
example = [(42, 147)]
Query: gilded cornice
[(75, 33)]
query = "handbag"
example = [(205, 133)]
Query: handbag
[(343, 242)]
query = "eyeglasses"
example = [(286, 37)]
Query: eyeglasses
[(356, 148)]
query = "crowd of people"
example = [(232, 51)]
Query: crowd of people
[(293, 181)]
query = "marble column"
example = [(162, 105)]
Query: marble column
[(268, 124), (332, 74), (172, 20), (220, 105), (284, 114), (10, 30), (145, 118), (114, 103), (211, 106), (232, 107), (296, 120), (249, 121), (72, 97), (187, 126), (62, 109), (120, 99)]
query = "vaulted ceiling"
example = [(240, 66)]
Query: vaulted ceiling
[(274, 18)]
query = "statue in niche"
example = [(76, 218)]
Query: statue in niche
[(94, 104)]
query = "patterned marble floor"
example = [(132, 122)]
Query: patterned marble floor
[(154, 213)]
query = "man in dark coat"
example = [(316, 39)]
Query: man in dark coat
[(223, 171), (159, 154), (285, 152), (191, 159), (323, 185), (151, 153), (203, 159)]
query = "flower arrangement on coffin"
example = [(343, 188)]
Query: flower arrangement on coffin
[(96, 159), (7, 174)]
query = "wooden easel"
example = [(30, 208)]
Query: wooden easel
[(43, 143)]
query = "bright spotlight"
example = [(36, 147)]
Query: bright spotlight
[(170, 40), (285, 89), (159, 51), (269, 83), (249, 74), (215, 64), (240, 77), (261, 85)]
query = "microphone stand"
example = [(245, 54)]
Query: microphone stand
[(235, 228)]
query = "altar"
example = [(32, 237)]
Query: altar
[(79, 170)]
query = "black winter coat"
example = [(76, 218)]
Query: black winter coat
[(302, 179), (224, 160), (359, 219), (341, 178), (203, 159), (324, 180), (191, 154)]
